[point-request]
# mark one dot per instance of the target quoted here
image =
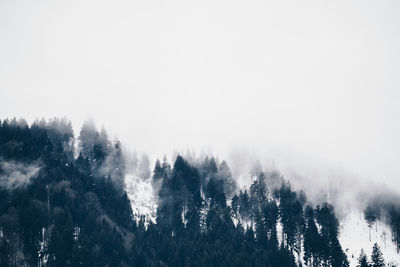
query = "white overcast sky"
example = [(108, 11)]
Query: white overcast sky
[(317, 80)]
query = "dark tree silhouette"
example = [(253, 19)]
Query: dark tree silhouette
[(377, 257), (370, 218), (362, 260)]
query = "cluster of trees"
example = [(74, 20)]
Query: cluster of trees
[(75, 210), (394, 222), (387, 210), (377, 259), (196, 226)]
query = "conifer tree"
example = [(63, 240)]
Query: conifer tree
[(158, 171), (370, 218), (362, 260), (377, 257)]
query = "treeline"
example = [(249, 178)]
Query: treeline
[(377, 259), (74, 210)]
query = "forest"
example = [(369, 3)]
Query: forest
[(63, 202)]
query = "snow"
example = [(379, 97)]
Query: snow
[(43, 254), (279, 232), (354, 236), (247, 224), (183, 215), (141, 194), (299, 255), (77, 231), (204, 210)]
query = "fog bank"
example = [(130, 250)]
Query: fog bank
[(312, 87)]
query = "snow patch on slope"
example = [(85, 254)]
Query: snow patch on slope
[(43, 254), (354, 236), (141, 195)]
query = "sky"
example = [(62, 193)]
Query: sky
[(309, 85)]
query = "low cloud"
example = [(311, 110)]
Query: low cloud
[(14, 175)]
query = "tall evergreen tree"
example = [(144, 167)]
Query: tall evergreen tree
[(370, 218), (377, 259), (158, 172)]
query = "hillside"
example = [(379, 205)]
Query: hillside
[(78, 201)]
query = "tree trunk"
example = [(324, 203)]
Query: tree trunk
[(369, 228)]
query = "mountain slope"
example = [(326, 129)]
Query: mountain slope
[(354, 236)]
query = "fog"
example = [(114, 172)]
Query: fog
[(310, 88), (15, 175)]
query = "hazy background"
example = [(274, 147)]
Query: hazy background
[(311, 87)]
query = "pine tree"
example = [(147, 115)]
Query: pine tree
[(377, 257), (362, 260), (312, 239), (158, 171), (224, 173), (370, 218)]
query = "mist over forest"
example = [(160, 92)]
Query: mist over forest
[(200, 133), (87, 200)]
